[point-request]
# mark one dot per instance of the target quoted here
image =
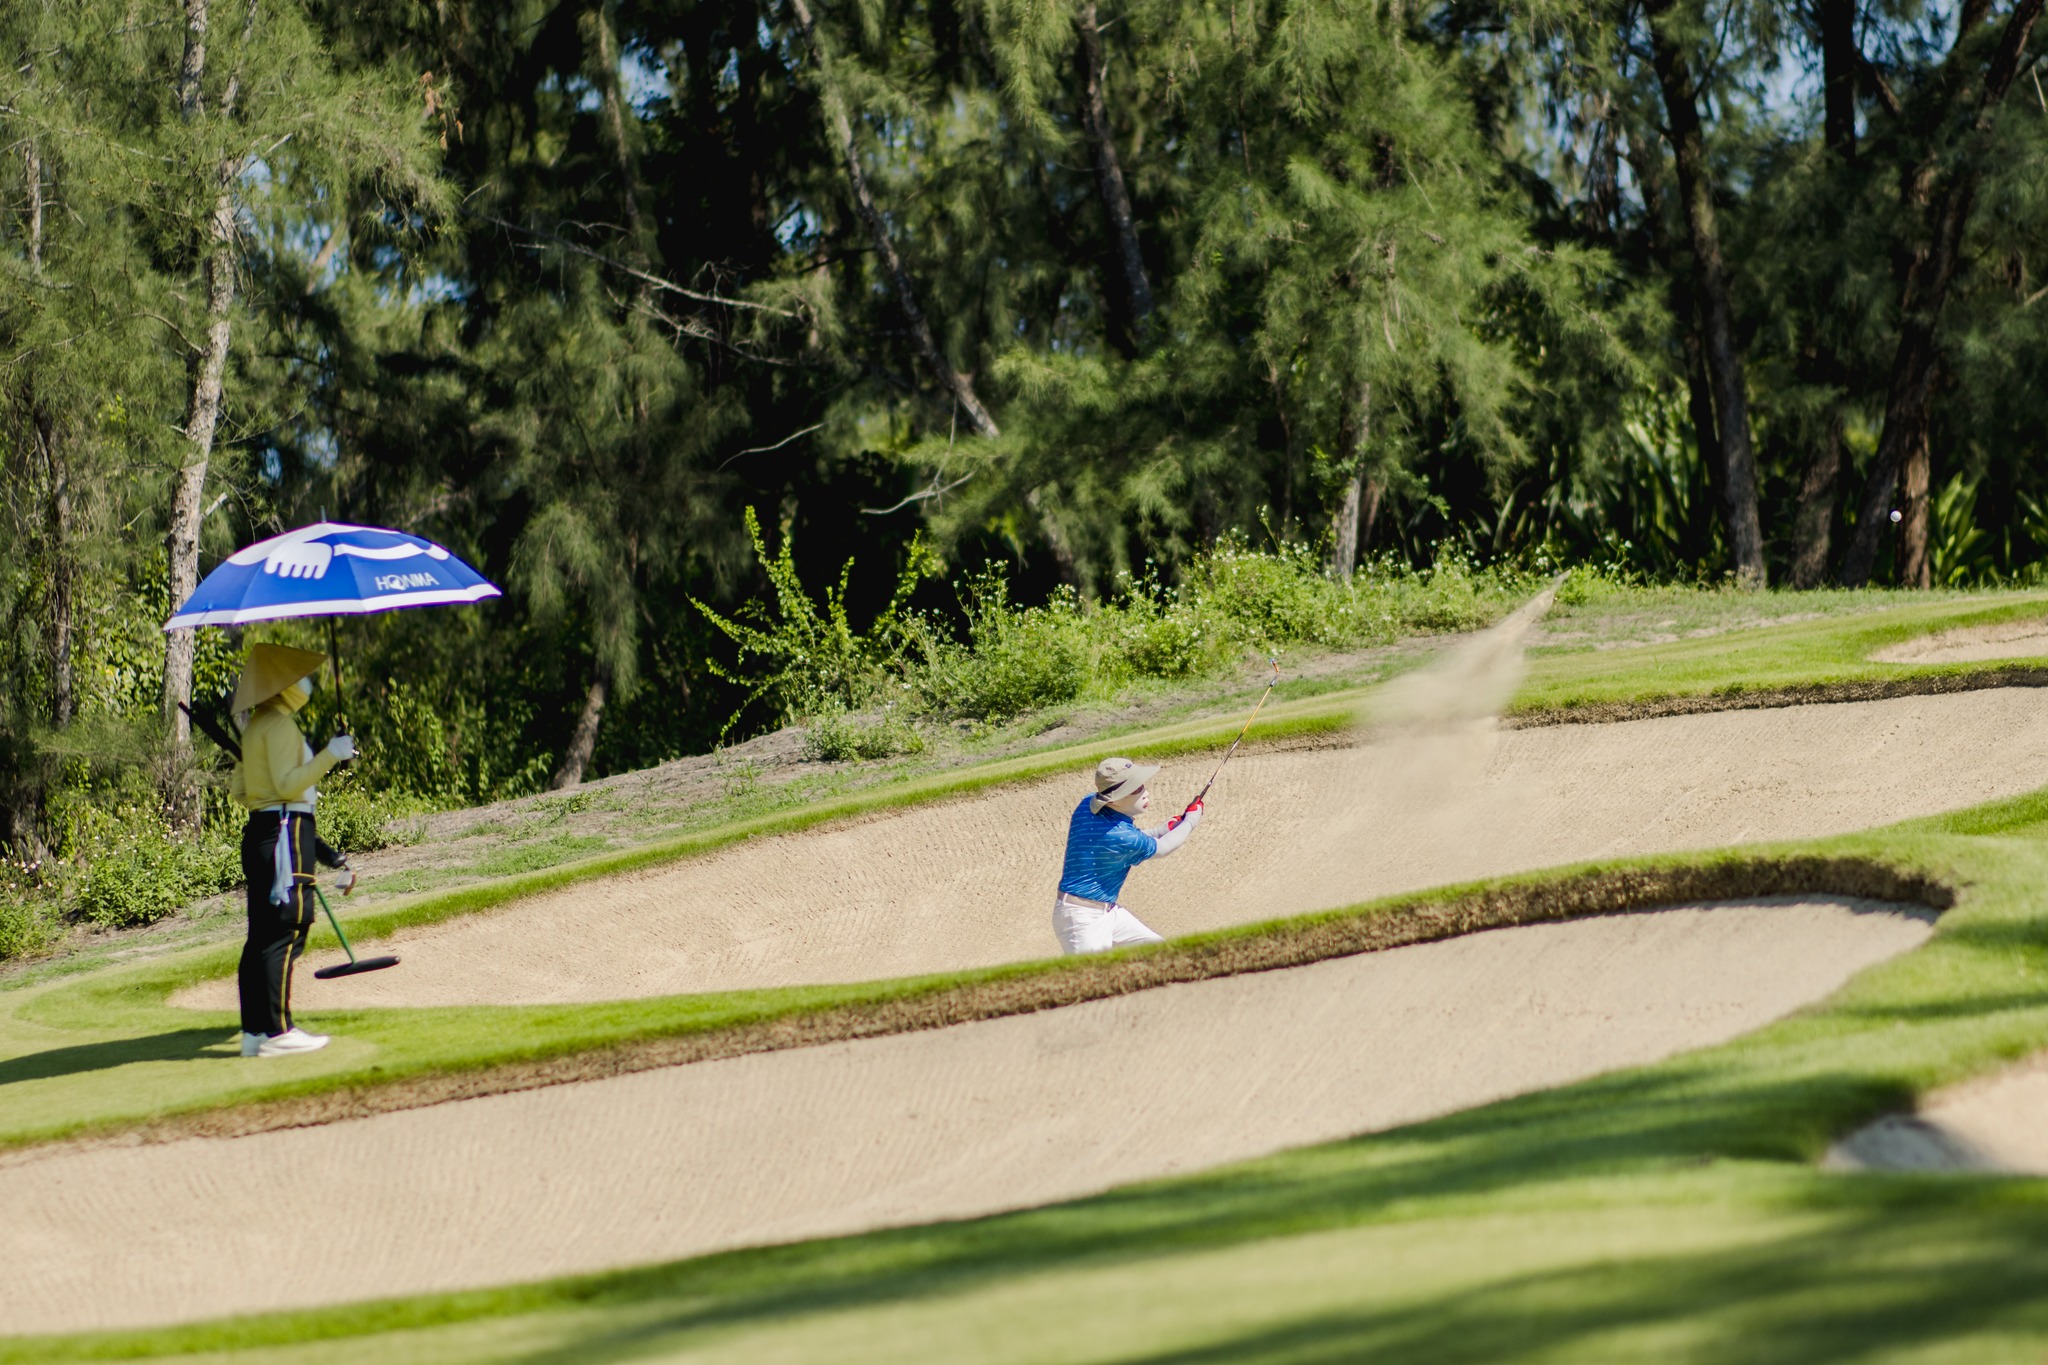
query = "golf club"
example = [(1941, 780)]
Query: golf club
[(354, 963), (1274, 660)]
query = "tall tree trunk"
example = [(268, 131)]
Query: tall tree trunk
[(57, 515), (1839, 63), (640, 253), (1131, 299), (615, 124), (1926, 290), (1699, 388), (202, 409), (1914, 569), (1360, 503), (1710, 274), (955, 383), (584, 739), (1814, 523), (59, 531), (32, 174)]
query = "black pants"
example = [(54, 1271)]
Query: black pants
[(277, 933)]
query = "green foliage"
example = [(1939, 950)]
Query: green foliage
[(357, 819), (806, 657), (1012, 659), (25, 926), (151, 876), (838, 739), (1009, 659), (1435, 247), (1958, 547)]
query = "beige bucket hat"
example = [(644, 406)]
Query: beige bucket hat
[(269, 670), (1116, 778)]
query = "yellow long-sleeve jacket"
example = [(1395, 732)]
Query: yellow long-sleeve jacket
[(277, 765)]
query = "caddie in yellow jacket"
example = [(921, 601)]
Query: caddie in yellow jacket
[(276, 781)]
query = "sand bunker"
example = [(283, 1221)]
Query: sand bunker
[(1971, 644), (1996, 1124), (952, 1123), (969, 882)]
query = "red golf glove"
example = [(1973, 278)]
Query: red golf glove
[(1194, 807)]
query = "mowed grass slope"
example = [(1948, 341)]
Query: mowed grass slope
[(101, 1050), (1666, 1213)]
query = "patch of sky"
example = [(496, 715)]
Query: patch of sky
[(580, 92), (798, 225), (643, 77), (321, 448)]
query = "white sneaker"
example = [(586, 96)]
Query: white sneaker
[(290, 1041), (251, 1042)]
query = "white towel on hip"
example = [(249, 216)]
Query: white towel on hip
[(281, 861)]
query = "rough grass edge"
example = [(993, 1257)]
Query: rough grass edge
[(1738, 698), (919, 1004)]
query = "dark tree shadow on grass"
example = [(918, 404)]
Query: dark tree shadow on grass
[(1866, 1286), (180, 1045), (1677, 1116)]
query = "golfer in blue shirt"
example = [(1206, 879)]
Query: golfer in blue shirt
[(1104, 843)]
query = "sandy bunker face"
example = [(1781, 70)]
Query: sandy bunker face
[(1996, 1124), (969, 882), (1971, 644), (900, 1130)]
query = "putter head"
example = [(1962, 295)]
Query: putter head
[(356, 968)]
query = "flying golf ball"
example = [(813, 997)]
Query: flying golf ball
[(1897, 514)]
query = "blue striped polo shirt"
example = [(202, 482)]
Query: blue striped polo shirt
[(1102, 848)]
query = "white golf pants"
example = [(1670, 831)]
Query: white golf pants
[(1087, 926)]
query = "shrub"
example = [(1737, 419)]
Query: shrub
[(1281, 597), (1176, 640), (23, 930), (357, 820), (811, 661), (837, 739), (151, 877), (1013, 659)]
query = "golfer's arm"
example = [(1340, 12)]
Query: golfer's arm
[(1171, 839)]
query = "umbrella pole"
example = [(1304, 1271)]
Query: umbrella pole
[(340, 696)]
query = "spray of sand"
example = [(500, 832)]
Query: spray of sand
[(1423, 777)]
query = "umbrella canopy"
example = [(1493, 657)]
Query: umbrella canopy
[(330, 569)]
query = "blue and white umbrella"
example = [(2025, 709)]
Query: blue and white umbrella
[(330, 569)]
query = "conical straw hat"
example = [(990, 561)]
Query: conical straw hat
[(270, 669)]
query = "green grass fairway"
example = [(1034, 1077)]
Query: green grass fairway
[(1666, 1213)]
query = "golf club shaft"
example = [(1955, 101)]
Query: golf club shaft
[(1232, 750), (335, 922)]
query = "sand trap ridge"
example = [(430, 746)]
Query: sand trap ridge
[(905, 1129), (969, 882), (1994, 1124), (1971, 644)]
